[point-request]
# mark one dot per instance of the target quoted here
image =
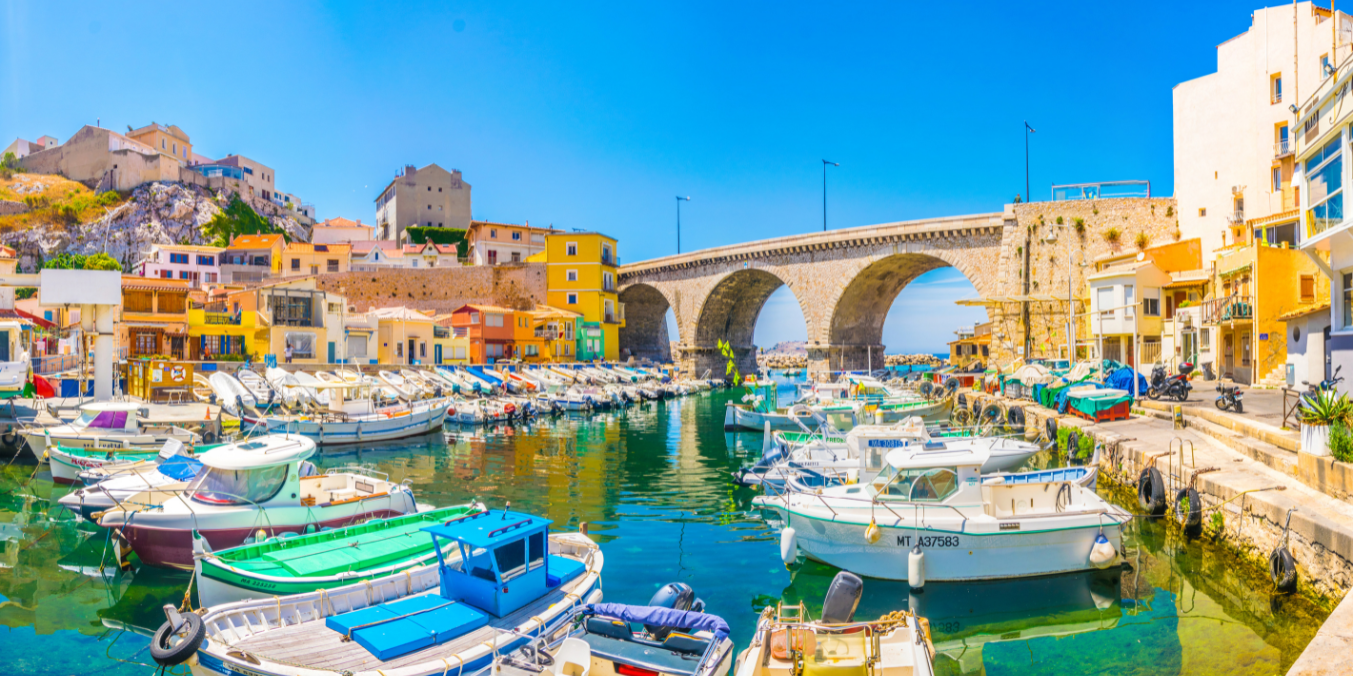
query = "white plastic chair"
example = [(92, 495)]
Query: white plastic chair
[(573, 659)]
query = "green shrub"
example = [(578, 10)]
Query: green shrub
[(1079, 224), (1143, 240), (419, 234), (1112, 235), (236, 219), (1059, 220), (1341, 442), (1327, 408)]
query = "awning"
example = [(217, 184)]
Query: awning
[(1238, 268)]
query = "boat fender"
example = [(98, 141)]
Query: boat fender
[(1051, 426), (1151, 491), (169, 647), (962, 401), (1103, 553), (209, 437), (1282, 568), (916, 568), (1073, 444), (843, 597), (872, 531), (1016, 417), (789, 546), (1190, 517)]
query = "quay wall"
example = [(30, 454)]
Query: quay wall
[(441, 290)]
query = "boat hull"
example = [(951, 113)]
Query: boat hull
[(414, 423), (66, 467)]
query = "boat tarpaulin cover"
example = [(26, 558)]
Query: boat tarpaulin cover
[(1121, 379), (664, 617), (180, 468)]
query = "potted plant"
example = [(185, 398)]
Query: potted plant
[(1318, 413)]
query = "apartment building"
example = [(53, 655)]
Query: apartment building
[(21, 148), (1233, 129), (404, 335), (494, 243), (581, 274), (251, 259), (153, 317), (168, 140), (431, 197), (301, 258), (197, 265), (340, 231), (489, 329)]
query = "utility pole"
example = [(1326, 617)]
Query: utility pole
[(680, 199)]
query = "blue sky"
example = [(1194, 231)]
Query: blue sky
[(596, 115)]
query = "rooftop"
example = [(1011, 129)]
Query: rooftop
[(254, 242), (340, 222), (489, 529), (319, 248)]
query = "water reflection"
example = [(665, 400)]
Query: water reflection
[(654, 484)]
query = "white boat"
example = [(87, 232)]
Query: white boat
[(450, 619), (400, 385), (163, 479), (258, 386), (936, 508), (247, 489), (16, 368), (107, 422), (231, 394)]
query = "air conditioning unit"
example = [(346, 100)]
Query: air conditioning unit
[(1237, 189)]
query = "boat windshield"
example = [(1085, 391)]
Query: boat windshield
[(108, 420), (920, 484), (238, 486)]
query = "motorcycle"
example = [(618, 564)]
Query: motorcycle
[(1325, 385), (1230, 398), (1176, 387)]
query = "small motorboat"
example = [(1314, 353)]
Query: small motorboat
[(105, 423), (787, 641), (231, 394), (67, 463), (249, 489), (159, 481), (16, 368), (295, 564), (359, 419), (499, 582)]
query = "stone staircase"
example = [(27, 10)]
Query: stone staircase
[(1276, 379)]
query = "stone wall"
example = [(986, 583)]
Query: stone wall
[(10, 208), (441, 290)]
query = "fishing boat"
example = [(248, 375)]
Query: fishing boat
[(16, 368), (68, 462), (106, 422), (930, 515), (152, 483), (499, 581), (671, 639), (231, 393), (359, 419), (295, 564), (251, 488), (788, 641)]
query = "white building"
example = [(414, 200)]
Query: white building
[(197, 264), (341, 231)]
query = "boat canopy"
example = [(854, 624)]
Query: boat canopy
[(497, 548), (265, 451), (914, 458), (658, 616)]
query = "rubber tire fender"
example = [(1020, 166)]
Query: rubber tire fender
[(1151, 492), (991, 412), (1282, 568), (1192, 522), (1073, 444), (170, 656), (962, 400), (209, 437), (1050, 426), (1015, 416)]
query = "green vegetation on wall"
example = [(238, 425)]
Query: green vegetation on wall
[(66, 261), (237, 219), (419, 234)]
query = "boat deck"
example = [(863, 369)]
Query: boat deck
[(314, 645)]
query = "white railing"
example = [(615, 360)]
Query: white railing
[(1283, 147)]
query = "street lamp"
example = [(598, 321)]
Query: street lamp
[(824, 191), (1027, 130), (680, 199)]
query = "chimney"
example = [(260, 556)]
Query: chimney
[(410, 170)]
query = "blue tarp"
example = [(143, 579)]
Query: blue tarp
[(664, 617), (180, 468), (1121, 379), (1062, 402)]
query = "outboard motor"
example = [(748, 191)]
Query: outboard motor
[(843, 597), (677, 596)]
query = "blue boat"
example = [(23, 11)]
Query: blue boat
[(500, 578)]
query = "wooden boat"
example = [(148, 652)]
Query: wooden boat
[(107, 422), (787, 641), (259, 486), (451, 619), (295, 564), (359, 419)]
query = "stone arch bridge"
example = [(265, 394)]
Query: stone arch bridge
[(844, 280)]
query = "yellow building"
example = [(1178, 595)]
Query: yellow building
[(153, 317), (252, 258), (581, 278), (973, 345), (168, 140), (556, 329), (403, 336), (448, 346), (302, 258), (223, 330)]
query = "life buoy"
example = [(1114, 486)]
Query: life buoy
[(169, 648), (1282, 568), (1151, 491), (1188, 510)]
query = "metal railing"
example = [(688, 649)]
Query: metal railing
[(1235, 307), (612, 318), (222, 318), (55, 363), (1283, 147), (1236, 218)]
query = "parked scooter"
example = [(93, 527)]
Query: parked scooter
[(1230, 398), (1174, 387), (1326, 385)]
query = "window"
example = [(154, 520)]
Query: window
[(493, 319), (1277, 179), (439, 189), (295, 264), (423, 350), (429, 188), (516, 236), (608, 281), (493, 257), (238, 486), (474, 317), (1104, 301), (1275, 88), (333, 265), (183, 274), (1325, 68), (178, 258), (571, 275), (429, 207), (162, 144), (1308, 288), (1348, 300), (302, 344), (399, 349), (145, 342), (1129, 299), (493, 350), (1151, 307), (1244, 349), (493, 232), (605, 254), (1205, 339), (532, 350), (573, 299), (929, 484), (571, 249), (166, 274), (1324, 182), (1202, 211), (516, 256), (206, 260)]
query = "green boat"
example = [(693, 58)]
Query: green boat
[(297, 564)]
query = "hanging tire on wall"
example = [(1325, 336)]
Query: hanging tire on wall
[(1073, 444), (1188, 510), (1151, 492), (1015, 416), (1050, 426), (1282, 568), (962, 400), (962, 417)]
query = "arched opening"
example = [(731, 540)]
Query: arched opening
[(645, 333), (933, 296), (856, 336), (731, 313)]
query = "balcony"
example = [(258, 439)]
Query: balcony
[(547, 334), (441, 332), (1233, 308), (1236, 218), (612, 318), (221, 318), (1283, 148)]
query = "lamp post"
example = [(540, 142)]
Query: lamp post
[(1027, 130), (824, 191), (680, 199)]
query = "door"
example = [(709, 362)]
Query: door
[(1228, 355), (4, 345), (413, 345), (333, 349), (437, 354)]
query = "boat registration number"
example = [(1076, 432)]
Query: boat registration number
[(933, 541), (887, 443)]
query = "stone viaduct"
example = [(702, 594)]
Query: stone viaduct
[(844, 280)]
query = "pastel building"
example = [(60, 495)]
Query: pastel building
[(252, 258), (197, 265), (581, 277), (340, 231), (496, 243), (431, 197), (489, 329)]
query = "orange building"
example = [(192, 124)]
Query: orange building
[(490, 330)]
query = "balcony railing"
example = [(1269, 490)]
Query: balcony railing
[(1235, 307), (441, 332), (547, 334), (1236, 218), (1283, 147), (612, 318), (222, 318)]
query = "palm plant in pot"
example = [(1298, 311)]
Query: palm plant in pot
[(1318, 413)]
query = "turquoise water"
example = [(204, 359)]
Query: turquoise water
[(653, 483)]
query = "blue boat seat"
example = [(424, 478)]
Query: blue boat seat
[(685, 643), (609, 626), (562, 570), (396, 628)]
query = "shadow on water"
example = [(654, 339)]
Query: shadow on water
[(654, 484)]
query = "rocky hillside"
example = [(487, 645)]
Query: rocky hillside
[(155, 213)]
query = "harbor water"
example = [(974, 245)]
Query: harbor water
[(653, 483)]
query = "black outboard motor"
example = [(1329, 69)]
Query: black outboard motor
[(677, 596), (843, 597)]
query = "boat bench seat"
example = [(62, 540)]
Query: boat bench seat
[(357, 553), (562, 570), (635, 654), (389, 630)]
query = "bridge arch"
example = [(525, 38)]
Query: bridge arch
[(730, 312), (644, 334)]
